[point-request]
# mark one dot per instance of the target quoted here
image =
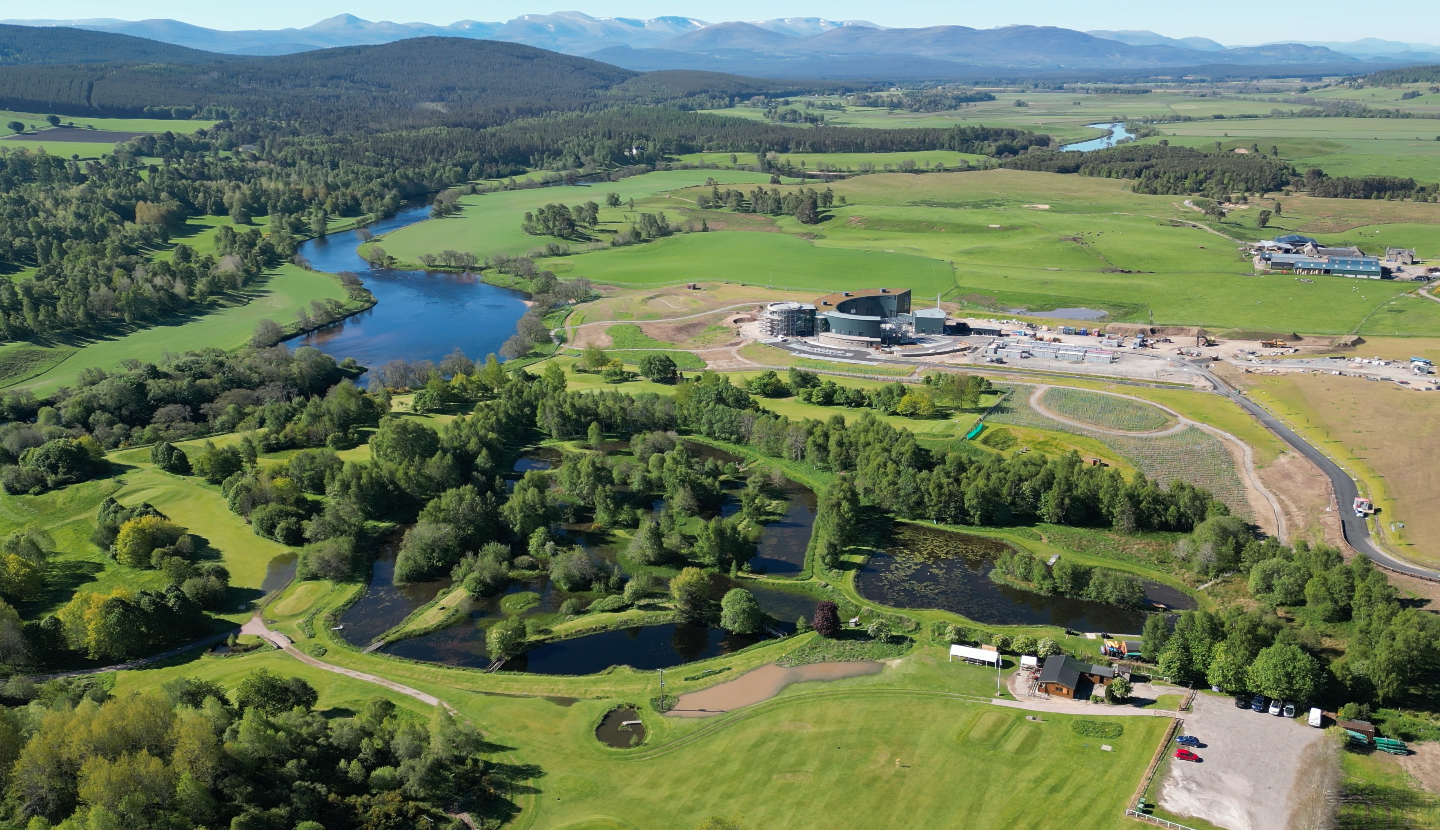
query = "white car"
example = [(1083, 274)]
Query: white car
[(1276, 707)]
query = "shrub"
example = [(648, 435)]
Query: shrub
[(334, 559), (826, 620), (280, 522), (505, 638), (170, 458), (740, 613), (614, 602), (215, 464), (140, 537), (272, 694)]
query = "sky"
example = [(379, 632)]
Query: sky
[(1228, 21)]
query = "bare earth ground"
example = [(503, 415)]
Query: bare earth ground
[(1248, 770), (674, 314), (1393, 431), (1304, 494), (1423, 764)]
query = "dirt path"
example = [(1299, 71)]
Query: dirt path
[(257, 627), (1246, 456)]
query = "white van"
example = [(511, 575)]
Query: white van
[(1316, 719)]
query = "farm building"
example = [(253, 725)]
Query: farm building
[(1364, 267), (1404, 256), (1062, 675)]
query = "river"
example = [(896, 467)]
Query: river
[(1117, 133), (420, 315)]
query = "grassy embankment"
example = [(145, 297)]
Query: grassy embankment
[(45, 365)]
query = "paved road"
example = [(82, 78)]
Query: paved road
[(1355, 528)]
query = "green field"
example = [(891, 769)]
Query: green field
[(489, 224), (69, 517), (842, 161), (839, 746), (284, 290), (1041, 241)]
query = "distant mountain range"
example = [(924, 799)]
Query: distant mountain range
[(794, 47)]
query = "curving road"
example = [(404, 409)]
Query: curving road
[(1355, 528)]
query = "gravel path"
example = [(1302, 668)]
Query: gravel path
[(257, 626)]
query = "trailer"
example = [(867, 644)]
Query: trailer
[(1363, 507)]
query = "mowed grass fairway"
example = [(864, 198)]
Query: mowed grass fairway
[(894, 750), (286, 289), (863, 759)]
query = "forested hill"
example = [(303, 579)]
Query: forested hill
[(1408, 75), (483, 81), (39, 45)]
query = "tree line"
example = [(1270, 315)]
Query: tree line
[(1162, 169)]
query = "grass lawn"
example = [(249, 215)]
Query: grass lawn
[(489, 224), (277, 297), (839, 746), (1169, 703)]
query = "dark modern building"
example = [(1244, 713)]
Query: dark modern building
[(1062, 675), (869, 317)]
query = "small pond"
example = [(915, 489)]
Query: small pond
[(278, 573), (1117, 134), (538, 459), (782, 545), (931, 568), (621, 729)]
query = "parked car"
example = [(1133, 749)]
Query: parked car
[(1186, 755), (1187, 740), (1290, 710), (1276, 707), (1258, 702), (1242, 701)]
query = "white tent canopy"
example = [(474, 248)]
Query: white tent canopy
[(975, 655)]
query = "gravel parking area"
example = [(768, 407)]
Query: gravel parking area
[(1248, 767)]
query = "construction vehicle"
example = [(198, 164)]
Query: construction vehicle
[(1275, 344)]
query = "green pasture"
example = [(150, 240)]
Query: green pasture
[(489, 224), (124, 125), (774, 259), (843, 161), (1000, 248), (283, 291)]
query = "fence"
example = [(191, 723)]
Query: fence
[(1153, 820)]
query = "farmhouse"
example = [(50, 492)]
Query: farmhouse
[(1403, 256), (1062, 675)]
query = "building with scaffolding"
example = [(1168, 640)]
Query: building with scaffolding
[(788, 320)]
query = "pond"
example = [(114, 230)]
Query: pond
[(1117, 134), (278, 573), (645, 648), (782, 545), (419, 315), (621, 729), (931, 568), (384, 604), (463, 643)]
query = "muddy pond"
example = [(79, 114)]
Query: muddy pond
[(930, 568)]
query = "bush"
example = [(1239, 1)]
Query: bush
[(170, 458), (614, 602), (826, 620), (140, 537), (272, 694), (54, 464), (505, 638), (739, 613), (279, 522), (215, 464), (334, 559), (659, 368)]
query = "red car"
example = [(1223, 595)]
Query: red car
[(1186, 755)]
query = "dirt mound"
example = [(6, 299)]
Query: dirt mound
[(1349, 341), (1132, 329), (1256, 334)]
